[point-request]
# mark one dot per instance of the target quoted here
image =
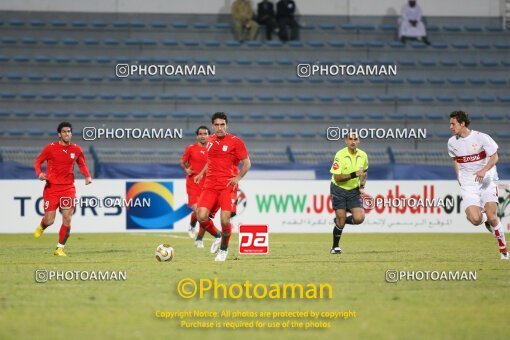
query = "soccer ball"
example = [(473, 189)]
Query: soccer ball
[(164, 252)]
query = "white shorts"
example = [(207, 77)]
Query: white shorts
[(479, 194)]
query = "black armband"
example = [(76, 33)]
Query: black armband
[(353, 174)]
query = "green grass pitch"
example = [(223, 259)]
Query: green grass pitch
[(126, 309)]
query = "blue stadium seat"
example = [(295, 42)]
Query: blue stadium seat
[(326, 98), (211, 43), (468, 63), (307, 26), (502, 46), (503, 134), (21, 58), (288, 134), (253, 43), (225, 97), (435, 116), (486, 99), (497, 81), (28, 41), (136, 24), (481, 46), (256, 116), (349, 27), (418, 45), (268, 134), (307, 134), (158, 24), (58, 23), (276, 115), (190, 42), (243, 61), (365, 98), (21, 114), (179, 25), (15, 132), (494, 28), (445, 98), (254, 80), (406, 62), (465, 98), (436, 81), (4, 58), (78, 23), (127, 96), (414, 116), (495, 116), (425, 99), (316, 43), (265, 97), (180, 60), (439, 45), (336, 43), (376, 116), (489, 62), (8, 40), (169, 42), (166, 96), (451, 28), (222, 25), (404, 98), (444, 134), (37, 23), (345, 98), (415, 80), (357, 43), (296, 116), (103, 60), (457, 81), (70, 41), (460, 45), (283, 62), (336, 116), (295, 44), (179, 115), (68, 96), (55, 77), (14, 76), (8, 95), (327, 26), (427, 62), (99, 24), (275, 79), (234, 79), (356, 116), (232, 43), (472, 28), (504, 99), (386, 98), (477, 81), (305, 98), (82, 59), (375, 44), (264, 61), (396, 44), (120, 115), (388, 27), (366, 27), (285, 98), (448, 62), (244, 97), (35, 77)]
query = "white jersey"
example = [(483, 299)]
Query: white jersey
[(472, 154)]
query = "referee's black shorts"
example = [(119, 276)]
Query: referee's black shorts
[(345, 199)]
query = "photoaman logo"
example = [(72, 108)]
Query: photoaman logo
[(163, 211), (253, 239)]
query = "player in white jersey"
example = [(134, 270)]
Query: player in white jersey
[(475, 155)]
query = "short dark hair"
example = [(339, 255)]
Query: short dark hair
[(219, 115), (63, 125), (461, 116), (202, 127)]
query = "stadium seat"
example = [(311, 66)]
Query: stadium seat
[(276, 115), (211, 43), (451, 28), (435, 116), (497, 81), (336, 43), (502, 46), (495, 116), (481, 46), (445, 98), (179, 25), (376, 116), (466, 98), (439, 45), (486, 99), (201, 25), (468, 63), (296, 116), (256, 116), (425, 99), (355, 116), (316, 43), (436, 81), (472, 28), (265, 97)]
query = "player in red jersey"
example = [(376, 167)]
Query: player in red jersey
[(193, 161), (59, 191), (224, 150)]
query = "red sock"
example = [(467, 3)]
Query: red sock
[(501, 242), (201, 233), (211, 228), (225, 236), (193, 220), (63, 235)]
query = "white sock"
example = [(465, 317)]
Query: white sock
[(60, 245), (484, 218)]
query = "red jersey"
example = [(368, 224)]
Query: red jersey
[(223, 155), (60, 163), (195, 156)]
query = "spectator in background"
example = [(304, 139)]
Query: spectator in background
[(410, 25), (285, 10), (266, 17), (242, 15)]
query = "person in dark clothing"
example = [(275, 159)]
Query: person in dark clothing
[(285, 10), (266, 17)]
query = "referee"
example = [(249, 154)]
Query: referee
[(349, 171)]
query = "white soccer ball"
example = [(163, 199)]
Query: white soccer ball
[(164, 252)]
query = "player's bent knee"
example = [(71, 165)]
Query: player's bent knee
[(359, 219), (475, 220)]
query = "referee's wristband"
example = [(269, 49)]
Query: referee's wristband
[(353, 174)]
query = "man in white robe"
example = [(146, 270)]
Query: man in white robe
[(410, 25)]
